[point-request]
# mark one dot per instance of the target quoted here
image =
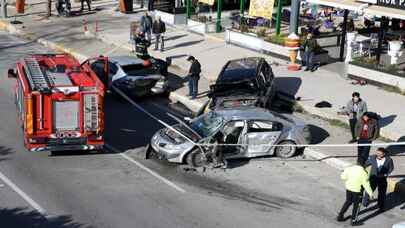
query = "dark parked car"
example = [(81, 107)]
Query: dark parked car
[(132, 75), (242, 82)]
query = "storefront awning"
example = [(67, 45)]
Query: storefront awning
[(342, 4), (381, 11)]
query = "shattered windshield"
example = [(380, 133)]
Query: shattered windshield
[(207, 124)]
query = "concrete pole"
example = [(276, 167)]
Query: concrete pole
[(219, 11), (4, 8), (294, 16), (278, 20)]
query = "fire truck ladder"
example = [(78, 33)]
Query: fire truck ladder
[(38, 80)]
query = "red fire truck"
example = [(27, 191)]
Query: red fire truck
[(59, 103)]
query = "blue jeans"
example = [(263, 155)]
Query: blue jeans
[(193, 86), (308, 59)]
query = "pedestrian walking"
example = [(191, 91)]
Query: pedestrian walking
[(88, 5), (159, 28), (193, 77), (367, 130), (310, 46), (355, 109), (381, 166), (356, 179), (141, 46), (146, 25), (151, 4)]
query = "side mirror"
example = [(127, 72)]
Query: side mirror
[(11, 73)]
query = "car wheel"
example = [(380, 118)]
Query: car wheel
[(287, 149), (195, 159)]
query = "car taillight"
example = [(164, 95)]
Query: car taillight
[(29, 123)]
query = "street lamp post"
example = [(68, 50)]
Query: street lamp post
[(219, 11), (278, 21), (242, 10)]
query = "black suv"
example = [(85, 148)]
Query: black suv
[(242, 82)]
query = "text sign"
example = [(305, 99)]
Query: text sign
[(400, 4)]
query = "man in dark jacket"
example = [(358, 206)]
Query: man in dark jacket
[(193, 77), (367, 130), (146, 25), (158, 29), (381, 166), (309, 45), (355, 109)]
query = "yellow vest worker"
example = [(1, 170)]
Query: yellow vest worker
[(356, 179)]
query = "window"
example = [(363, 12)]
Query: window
[(138, 70), (264, 126)]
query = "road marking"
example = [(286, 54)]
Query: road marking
[(151, 172), (23, 195)]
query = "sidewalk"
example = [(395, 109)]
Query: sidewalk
[(66, 34)]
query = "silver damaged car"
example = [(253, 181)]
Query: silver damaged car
[(254, 130)]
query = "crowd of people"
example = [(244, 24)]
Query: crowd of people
[(370, 172)]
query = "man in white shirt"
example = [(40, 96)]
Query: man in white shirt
[(381, 166)]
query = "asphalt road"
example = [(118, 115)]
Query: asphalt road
[(118, 190)]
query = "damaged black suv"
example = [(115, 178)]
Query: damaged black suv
[(242, 82)]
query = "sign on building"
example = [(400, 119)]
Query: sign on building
[(208, 2), (400, 4), (261, 8)]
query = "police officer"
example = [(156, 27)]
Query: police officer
[(356, 178), (141, 46)]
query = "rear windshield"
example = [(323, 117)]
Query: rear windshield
[(138, 70), (239, 70)]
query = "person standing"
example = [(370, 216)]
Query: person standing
[(159, 28), (151, 4), (146, 25), (367, 130), (193, 77), (82, 4), (309, 45), (381, 166), (355, 109), (356, 178)]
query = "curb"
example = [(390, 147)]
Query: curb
[(394, 184)]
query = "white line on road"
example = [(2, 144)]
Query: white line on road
[(23, 195), (151, 172)]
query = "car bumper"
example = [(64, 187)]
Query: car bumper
[(163, 154), (66, 148)]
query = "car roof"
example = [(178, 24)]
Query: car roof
[(125, 60), (240, 69), (243, 113)]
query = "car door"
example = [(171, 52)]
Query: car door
[(260, 136), (233, 132)]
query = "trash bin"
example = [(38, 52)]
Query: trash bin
[(19, 6), (126, 6)]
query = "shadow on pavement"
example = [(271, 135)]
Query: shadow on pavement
[(185, 44), (385, 121), (127, 127), (4, 152), (396, 150), (22, 217), (318, 134)]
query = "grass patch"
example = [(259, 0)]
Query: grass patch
[(392, 89)]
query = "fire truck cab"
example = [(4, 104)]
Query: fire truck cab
[(59, 103)]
